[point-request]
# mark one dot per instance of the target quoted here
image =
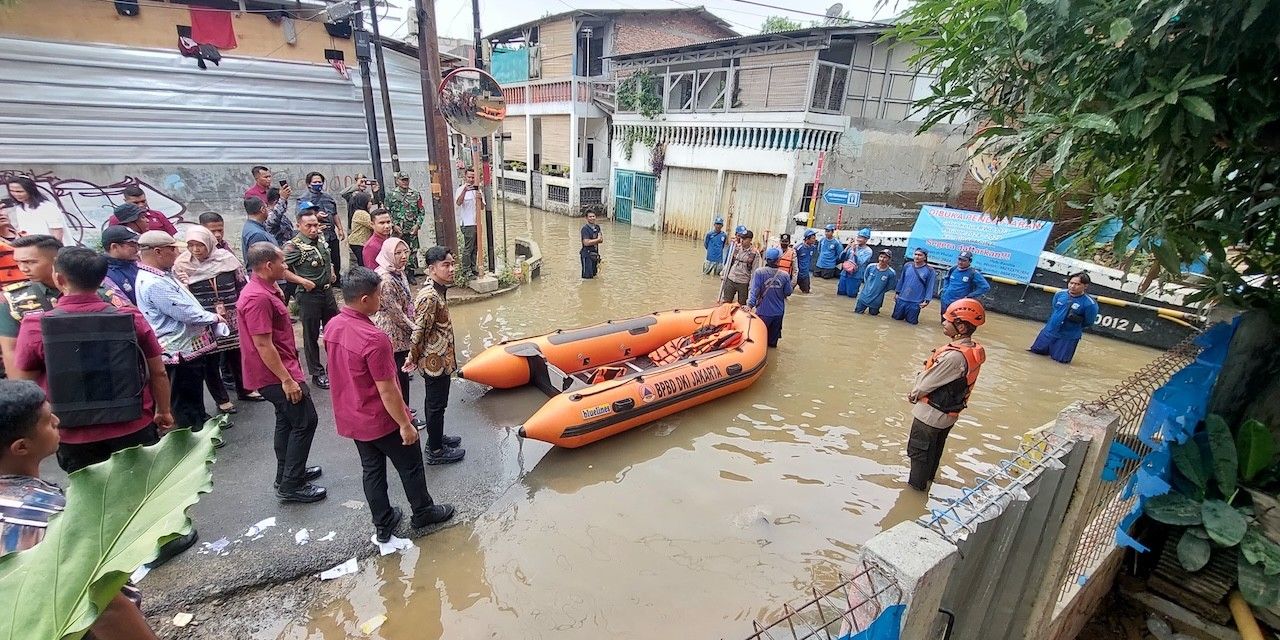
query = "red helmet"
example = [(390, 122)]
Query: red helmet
[(966, 310)]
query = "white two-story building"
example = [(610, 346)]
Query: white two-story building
[(743, 124)]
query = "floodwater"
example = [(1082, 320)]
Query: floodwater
[(697, 524)]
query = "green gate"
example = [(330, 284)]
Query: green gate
[(623, 183), (645, 191)]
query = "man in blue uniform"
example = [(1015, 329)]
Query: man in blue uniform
[(714, 243), (804, 259), (829, 249), (962, 281), (1073, 311), (915, 288), (877, 280), (853, 261), (770, 287)]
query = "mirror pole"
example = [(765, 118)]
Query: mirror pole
[(486, 174), (386, 95)]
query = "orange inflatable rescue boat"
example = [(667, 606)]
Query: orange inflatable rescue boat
[(610, 377)]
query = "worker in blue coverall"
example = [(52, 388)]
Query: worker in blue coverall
[(962, 281), (916, 285), (829, 249), (1073, 311), (804, 259), (770, 287), (853, 260), (877, 280), (714, 243)]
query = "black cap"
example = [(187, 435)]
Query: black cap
[(786, 237), (128, 212), (116, 234)]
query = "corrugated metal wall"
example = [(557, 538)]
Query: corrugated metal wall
[(754, 200), (993, 585), (689, 205), (71, 103)]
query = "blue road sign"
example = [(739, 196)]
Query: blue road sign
[(842, 197)]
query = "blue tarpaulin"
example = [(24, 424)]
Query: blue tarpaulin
[(1008, 248), (510, 65), (886, 627)]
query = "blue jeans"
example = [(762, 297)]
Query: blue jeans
[(861, 307), (774, 325)]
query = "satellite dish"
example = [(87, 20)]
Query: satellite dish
[(835, 11), (471, 102)]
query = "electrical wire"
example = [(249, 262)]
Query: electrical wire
[(802, 12)]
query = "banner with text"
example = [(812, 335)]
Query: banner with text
[(1008, 248)]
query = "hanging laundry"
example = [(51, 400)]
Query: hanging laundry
[(188, 47), (211, 26)]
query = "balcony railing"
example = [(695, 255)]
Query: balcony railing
[(771, 138)]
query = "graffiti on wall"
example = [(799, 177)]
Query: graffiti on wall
[(87, 206)]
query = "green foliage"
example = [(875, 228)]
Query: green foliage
[(1225, 524), (774, 24), (1256, 449), (118, 515), (1161, 114), (640, 93), (632, 135), (507, 277), (1193, 551)]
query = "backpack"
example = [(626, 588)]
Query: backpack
[(95, 369)]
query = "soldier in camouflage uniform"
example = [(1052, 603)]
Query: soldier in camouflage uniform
[(407, 214)]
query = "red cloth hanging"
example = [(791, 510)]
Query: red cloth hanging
[(211, 26)]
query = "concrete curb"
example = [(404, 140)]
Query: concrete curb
[(482, 296)]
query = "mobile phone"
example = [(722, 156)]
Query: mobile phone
[(284, 183)]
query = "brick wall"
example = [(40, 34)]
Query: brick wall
[(647, 31)]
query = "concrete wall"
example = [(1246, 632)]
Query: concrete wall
[(896, 169), (648, 31), (90, 21)]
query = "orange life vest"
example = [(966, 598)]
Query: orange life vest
[(9, 272), (689, 346), (788, 258), (953, 396)]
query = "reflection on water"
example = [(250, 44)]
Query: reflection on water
[(696, 524)]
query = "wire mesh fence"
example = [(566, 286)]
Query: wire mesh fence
[(1129, 399), (990, 495), (846, 609)]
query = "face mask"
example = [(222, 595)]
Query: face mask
[(318, 187)]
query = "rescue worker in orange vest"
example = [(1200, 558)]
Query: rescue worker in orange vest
[(787, 262), (942, 389)]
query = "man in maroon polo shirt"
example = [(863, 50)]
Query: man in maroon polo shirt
[(381, 231), (261, 182), (78, 272), (269, 358), (369, 408), (148, 219)]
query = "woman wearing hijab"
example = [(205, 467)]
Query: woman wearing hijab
[(361, 227), (395, 315), (215, 277)]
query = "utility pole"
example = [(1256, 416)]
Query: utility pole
[(437, 130), (386, 95), (484, 149), (370, 117)]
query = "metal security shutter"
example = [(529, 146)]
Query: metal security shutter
[(690, 201), (754, 200), (555, 140)]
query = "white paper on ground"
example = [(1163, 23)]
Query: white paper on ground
[(302, 536), (260, 527), (353, 504), (216, 546), (182, 619), (343, 569), (369, 626), (329, 536), (139, 574), (391, 546)]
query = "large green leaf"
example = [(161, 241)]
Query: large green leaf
[(1259, 589), (1174, 508), (1198, 107), (118, 515), (1255, 447), (1225, 525), (1190, 462), (1223, 449), (1261, 551), (1193, 551)]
